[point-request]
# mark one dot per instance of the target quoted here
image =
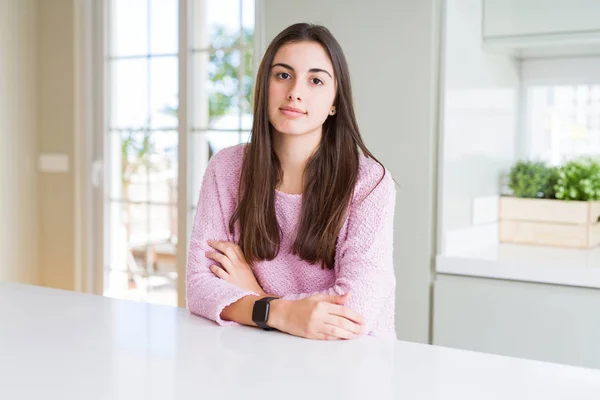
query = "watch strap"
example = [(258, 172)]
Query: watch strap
[(263, 324)]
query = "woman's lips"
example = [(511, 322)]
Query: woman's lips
[(291, 112)]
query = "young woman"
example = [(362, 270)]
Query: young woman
[(294, 229)]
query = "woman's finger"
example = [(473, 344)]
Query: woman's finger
[(226, 248), (222, 259), (344, 323), (337, 332), (324, 336), (238, 251), (347, 313), (219, 272)]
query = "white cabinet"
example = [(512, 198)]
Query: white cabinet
[(541, 27), (527, 320), (503, 18)]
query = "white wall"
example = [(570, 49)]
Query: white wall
[(57, 135), (18, 141), (390, 47), (480, 114)]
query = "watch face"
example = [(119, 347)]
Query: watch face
[(260, 311)]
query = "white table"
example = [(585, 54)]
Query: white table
[(65, 345)]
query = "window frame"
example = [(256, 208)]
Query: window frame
[(90, 152)]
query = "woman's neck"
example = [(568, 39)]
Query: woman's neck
[(293, 152)]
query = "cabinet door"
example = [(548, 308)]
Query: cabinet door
[(502, 18), (527, 320)]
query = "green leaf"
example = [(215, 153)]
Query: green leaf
[(579, 180), (533, 179)]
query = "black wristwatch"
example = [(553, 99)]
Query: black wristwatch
[(260, 312)]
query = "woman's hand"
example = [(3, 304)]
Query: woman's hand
[(318, 317), (234, 268)]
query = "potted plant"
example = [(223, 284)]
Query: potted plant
[(552, 206)]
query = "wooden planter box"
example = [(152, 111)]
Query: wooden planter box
[(549, 222)]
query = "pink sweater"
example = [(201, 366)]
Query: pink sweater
[(363, 258)]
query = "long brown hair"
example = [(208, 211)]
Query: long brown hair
[(331, 172)]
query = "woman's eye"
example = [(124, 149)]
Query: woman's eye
[(317, 81), (283, 75)]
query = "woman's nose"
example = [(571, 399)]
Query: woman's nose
[(293, 96), (294, 93)]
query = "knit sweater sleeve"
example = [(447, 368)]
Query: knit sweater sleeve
[(208, 295), (364, 259)]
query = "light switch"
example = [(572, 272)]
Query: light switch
[(55, 163)]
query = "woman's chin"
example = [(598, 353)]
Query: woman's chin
[(285, 129), (291, 131)]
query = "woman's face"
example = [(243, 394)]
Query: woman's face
[(302, 88)]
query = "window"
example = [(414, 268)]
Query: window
[(222, 71), (565, 121), (562, 108), (141, 143)]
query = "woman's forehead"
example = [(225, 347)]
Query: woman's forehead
[(303, 56)]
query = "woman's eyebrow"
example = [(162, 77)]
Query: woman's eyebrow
[(292, 69)]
